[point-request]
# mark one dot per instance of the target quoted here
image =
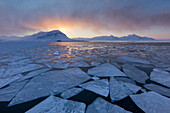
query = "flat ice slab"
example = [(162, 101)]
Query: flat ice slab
[(58, 65), (117, 90), (132, 87), (125, 79), (13, 58), (132, 59), (160, 76), (135, 74), (7, 80), (152, 102), (79, 64), (34, 73), (102, 106), (50, 82), (17, 70), (7, 93), (93, 63), (105, 70), (100, 87), (57, 105), (71, 92), (159, 89)]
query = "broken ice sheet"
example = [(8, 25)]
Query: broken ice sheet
[(58, 65), (17, 70), (101, 106), (93, 63), (7, 80), (151, 102), (117, 90), (160, 76), (132, 87), (52, 81), (34, 73), (125, 79), (159, 89), (134, 73), (79, 64), (13, 58), (132, 59), (20, 63), (7, 93), (100, 87), (71, 92), (105, 70), (57, 105)]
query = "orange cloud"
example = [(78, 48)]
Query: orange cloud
[(66, 25)]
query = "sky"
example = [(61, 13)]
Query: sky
[(86, 18)]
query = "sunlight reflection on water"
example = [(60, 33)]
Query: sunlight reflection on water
[(137, 49), (66, 52)]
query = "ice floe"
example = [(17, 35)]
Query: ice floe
[(159, 89), (135, 74), (50, 82), (117, 90), (132, 87), (57, 105), (71, 92), (93, 63), (34, 73), (105, 70), (79, 64), (152, 102), (100, 87), (132, 59), (7, 93), (160, 76), (7, 80), (17, 70), (101, 106)]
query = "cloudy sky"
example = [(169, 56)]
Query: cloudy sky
[(86, 18)]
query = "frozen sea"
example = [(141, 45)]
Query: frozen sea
[(79, 76)]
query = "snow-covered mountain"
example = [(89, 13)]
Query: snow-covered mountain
[(132, 37), (58, 36), (52, 36), (55, 35), (111, 37)]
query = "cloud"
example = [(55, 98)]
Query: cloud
[(18, 16)]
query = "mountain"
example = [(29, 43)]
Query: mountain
[(99, 38), (55, 35), (132, 37), (58, 36), (111, 37), (52, 36)]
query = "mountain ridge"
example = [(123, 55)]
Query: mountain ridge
[(53, 36), (130, 37), (58, 36)]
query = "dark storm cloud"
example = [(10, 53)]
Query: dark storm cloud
[(17, 16)]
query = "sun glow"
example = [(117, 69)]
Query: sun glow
[(72, 28)]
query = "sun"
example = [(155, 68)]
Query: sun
[(63, 29)]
